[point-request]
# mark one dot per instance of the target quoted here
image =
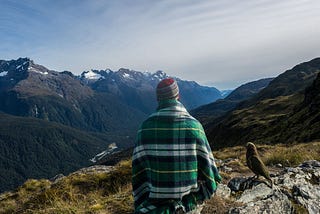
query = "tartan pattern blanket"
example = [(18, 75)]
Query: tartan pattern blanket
[(172, 164)]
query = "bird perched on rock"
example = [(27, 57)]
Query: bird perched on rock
[(255, 163)]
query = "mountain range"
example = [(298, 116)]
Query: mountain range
[(137, 89), (55, 122), (100, 101)]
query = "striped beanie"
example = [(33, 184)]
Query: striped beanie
[(167, 89)]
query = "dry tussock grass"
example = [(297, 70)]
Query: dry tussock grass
[(292, 155), (103, 193), (285, 154)]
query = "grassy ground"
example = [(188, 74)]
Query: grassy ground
[(285, 154), (106, 193), (76, 193)]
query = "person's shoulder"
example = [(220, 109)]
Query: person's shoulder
[(150, 121), (145, 123), (194, 124), (193, 121)]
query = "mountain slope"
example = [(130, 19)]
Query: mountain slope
[(34, 148), (291, 81), (303, 124), (216, 109), (266, 118)]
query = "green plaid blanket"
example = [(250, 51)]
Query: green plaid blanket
[(172, 163)]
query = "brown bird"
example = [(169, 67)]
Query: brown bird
[(255, 163)]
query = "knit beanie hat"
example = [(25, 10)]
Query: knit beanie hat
[(167, 89)]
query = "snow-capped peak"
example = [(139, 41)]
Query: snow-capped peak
[(92, 75), (160, 75), (108, 70)]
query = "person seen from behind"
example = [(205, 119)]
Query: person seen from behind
[(173, 169)]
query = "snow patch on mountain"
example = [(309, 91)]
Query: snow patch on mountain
[(127, 76), (92, 75), (33, 69), (108, 71), (160, 75), (3, 73)]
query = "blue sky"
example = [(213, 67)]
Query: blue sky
[(219, 43)]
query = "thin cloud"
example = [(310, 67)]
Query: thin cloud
[(223, 43)]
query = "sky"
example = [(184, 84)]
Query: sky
[(221, 43)]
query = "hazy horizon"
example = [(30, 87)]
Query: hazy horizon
[(216, 43)]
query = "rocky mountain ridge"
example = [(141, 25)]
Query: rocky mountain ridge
[(138, 88), (30, 79), (212, 111)]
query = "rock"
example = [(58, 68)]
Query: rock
[(276, 203), (308, 196), (236, 184), (295, 185), (303, 181), (223, 191), (310, 164), (256, 193), (223, 164), (301, 191), (228, 160), (311, 205), (225, 168), (95, 169), (218, 161), (240, 184), (57, 178)]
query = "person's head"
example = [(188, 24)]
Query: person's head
[(167, 89)]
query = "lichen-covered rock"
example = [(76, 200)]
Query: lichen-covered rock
[(272, 203), (259, 192), (299, 186), (303, 182)]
